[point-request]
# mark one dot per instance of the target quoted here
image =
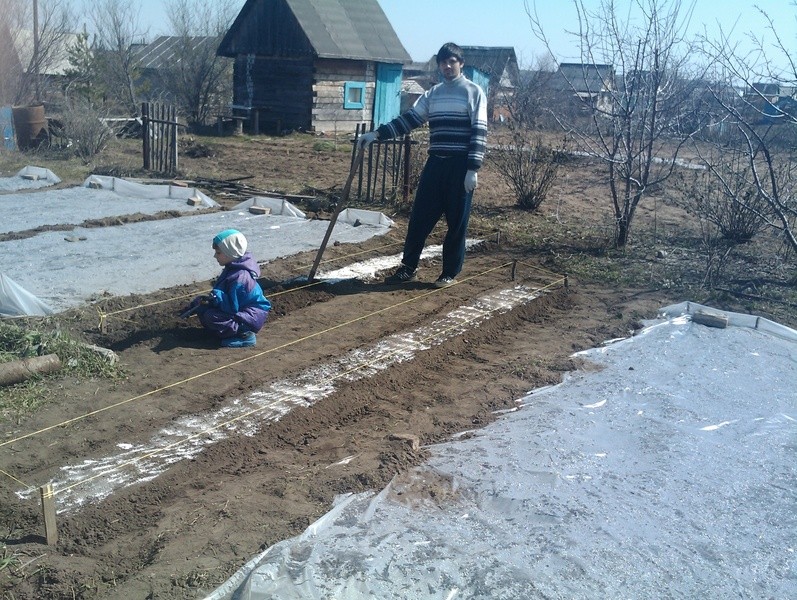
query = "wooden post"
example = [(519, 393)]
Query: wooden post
[(161, 135), (48, 511), (384, 168), (406, 183), (514, 270), (173, 118), (146, 125), (358, 133), (370, 169)]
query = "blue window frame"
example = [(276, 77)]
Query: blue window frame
[(354, 95)]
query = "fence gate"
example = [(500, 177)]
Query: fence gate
[(385, 169), (160, 137)]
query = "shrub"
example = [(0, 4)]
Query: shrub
[(83, 126), (729, 213), (530, 168), (732, 205)]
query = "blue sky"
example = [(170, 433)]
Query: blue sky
[(423, 25)]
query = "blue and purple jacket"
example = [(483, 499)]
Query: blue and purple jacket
[(239, 301)]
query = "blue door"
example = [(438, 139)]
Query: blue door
[(7, 127), (387, 95), (478, 77)]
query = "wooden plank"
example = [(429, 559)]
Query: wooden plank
[(710, 318), (48, 512)]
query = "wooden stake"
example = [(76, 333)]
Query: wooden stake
[(48, 511)]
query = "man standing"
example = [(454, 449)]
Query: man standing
[(456, 110)]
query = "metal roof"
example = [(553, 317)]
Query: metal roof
[(165, 51), (348, 29), (499, 62), (590, 78), (57, 63)]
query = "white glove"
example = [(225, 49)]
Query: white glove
[(366, 140), (471, 179)]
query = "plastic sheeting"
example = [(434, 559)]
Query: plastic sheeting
[(357, 216), (57, 270), (667, 473), (15, 301), (25, 211), (277, 206), (352, 216), (67, 269), (29, 178), (132, 189)]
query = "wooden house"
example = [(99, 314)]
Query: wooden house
[(314, 65), (25, 78), (499, 65), (590, 83)]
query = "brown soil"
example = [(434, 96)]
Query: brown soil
[(187, 531)]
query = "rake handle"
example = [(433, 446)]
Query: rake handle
[(343, 199)]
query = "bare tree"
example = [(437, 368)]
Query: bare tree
[(634, 83), (526, 164), (35, 36), (11, 28), (528, 101), (762, 127), (117, 28), (198, 79)]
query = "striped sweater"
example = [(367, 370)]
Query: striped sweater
[(457, 115)]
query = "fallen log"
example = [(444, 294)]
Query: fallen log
[(19, 370)]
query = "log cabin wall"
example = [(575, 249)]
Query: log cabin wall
[(295, 61), (279, 89), (331, 75)]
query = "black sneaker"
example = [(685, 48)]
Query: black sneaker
[(402, 275), (444, 281)]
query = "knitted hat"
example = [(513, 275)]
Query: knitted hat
[(231, 242)]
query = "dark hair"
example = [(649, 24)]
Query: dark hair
[(448, 50)]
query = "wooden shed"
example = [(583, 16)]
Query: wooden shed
[(499, 64), (591, 83), (315, 65)]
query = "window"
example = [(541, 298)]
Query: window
[(354, 95)]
